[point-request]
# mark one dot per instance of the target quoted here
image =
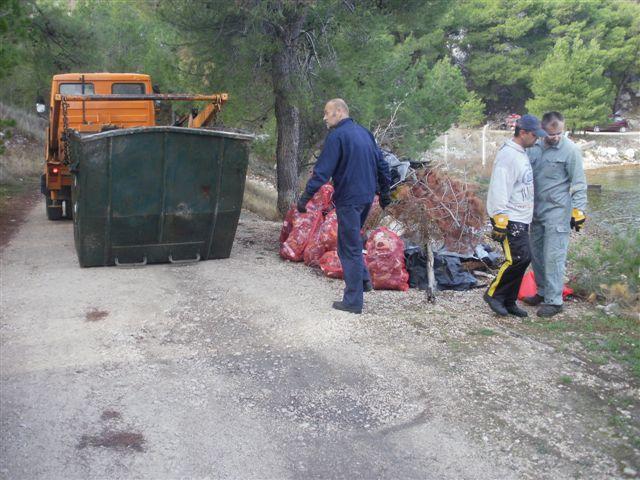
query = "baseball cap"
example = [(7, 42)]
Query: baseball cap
[(531, 124)]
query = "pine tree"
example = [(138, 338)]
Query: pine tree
[(571, 81)]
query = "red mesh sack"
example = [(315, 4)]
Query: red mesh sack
[(321, 200), (314, 249), (328, 234), (303, 227), (287, 225), (330, 265), (385, 260)]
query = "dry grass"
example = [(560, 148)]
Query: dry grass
[(261, 199), (23, 136), (29, 124), (22, 160)]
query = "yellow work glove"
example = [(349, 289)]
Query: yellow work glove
[(577, 219), (499, 223)]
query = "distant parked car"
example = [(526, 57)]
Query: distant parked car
[(509, 123), (616, 124)]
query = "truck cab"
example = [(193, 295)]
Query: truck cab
[(87, 117)]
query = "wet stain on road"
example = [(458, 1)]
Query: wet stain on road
[(110, 414), (114, 439), (95, 315)]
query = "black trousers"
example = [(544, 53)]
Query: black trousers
[(517, 255)]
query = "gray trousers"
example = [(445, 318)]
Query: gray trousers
[(549, 245)]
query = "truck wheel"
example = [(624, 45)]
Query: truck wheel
[(53, 212)]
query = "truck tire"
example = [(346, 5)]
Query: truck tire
[(53, 213)]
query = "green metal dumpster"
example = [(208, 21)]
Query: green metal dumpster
[(156, 194)]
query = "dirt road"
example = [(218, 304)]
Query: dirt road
[(238, 369)]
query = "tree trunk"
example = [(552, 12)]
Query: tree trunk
[(285, 76), (288, 127)]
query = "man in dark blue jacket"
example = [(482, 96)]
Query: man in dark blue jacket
[(350, 157)]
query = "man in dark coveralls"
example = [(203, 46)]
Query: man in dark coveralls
[(350, 157)]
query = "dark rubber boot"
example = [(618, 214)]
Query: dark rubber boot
[(345, 308), (534, 301), (496, 305), (516, 310), (547, 310)]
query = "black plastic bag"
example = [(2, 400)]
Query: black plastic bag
[(450, 274), (415, 260)]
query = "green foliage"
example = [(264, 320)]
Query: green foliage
[(501, 44), (407, 93), (89, 36), (566, 380), (571, 81), (6, 132), (55, 42), (403, 66), (13, 23), (472, 111), (7, 122), (610, 269), (406, 96), (129, 38)]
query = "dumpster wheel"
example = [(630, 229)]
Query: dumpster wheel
[(54, 212)]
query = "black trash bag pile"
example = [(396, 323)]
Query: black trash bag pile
[(451, 275), (449, 269), (415, 260)]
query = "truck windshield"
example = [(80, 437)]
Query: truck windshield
[(76, 89), (128, 88)]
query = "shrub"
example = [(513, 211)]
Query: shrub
[(607, 269)]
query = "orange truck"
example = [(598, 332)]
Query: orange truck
[(97, 102)]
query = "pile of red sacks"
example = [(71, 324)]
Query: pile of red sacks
[(312, 237)]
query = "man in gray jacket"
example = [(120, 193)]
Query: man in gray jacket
[(560, 201), (510, 208)]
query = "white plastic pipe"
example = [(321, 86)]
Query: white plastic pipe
[(446, 149), (484, 144)]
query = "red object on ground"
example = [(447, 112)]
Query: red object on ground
[(303, 227), (324, 239), (322, 199), (314, 250), (528, 287), (329, 231), (287, 225), (330, 265), (385, 260)]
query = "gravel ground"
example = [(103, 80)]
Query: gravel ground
[(239, 369)]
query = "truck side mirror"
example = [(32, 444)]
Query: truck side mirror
[(41, 107)]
